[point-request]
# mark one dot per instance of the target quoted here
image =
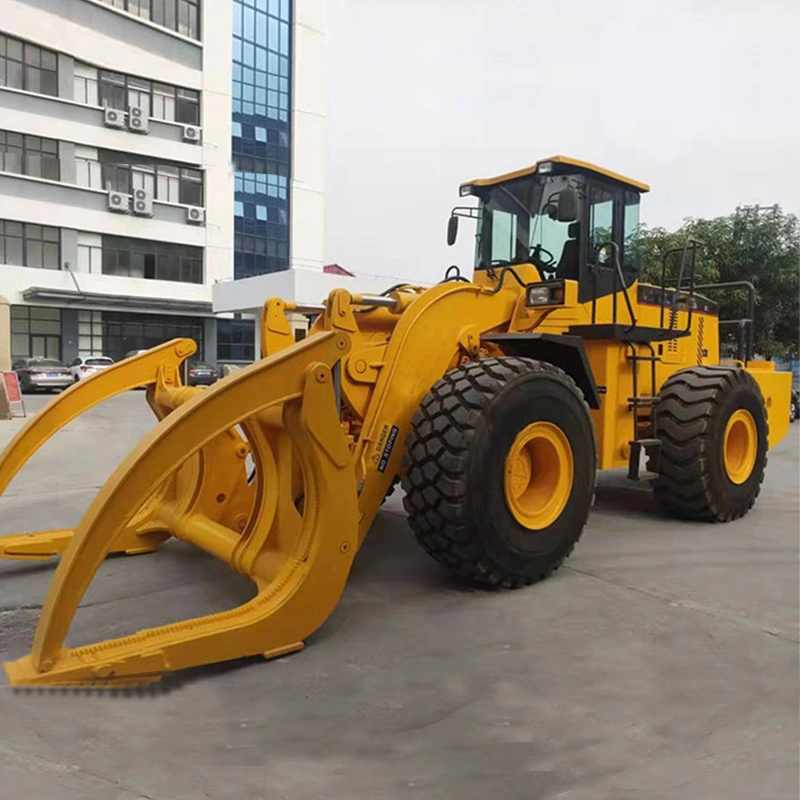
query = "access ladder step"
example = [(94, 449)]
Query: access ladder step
[(637, 357), (648, 400), (652, 447)]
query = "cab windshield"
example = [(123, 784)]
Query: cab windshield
[(518, 224)]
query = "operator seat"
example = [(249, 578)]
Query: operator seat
[(568, 263)]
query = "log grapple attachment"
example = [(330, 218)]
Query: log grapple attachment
[(277, 469)]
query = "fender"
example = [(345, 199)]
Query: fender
[(561, 350)]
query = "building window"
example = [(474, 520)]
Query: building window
[(35, 332), (164, 101), (90, 333), (236, 340), (182, 16), (169, 183), (158, 100), (29, 155), (28, 67), (25, 245), (111, 89), (90, 259), (175, 104), (88, 171), (161, 261), (85, 85)]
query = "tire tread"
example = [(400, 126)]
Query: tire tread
[(690, 400), (437, 448)]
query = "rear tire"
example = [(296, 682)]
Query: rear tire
[(497, 441), (712, 423)]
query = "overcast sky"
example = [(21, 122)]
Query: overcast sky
[(698, 98)]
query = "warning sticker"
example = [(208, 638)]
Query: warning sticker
[(385, 446), (379, 445)]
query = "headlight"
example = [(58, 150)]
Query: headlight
[(465, 191), (545, 294)]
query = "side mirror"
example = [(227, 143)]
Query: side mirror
[(452, 230), (568, 205)]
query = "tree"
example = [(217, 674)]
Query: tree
[(757, 245)]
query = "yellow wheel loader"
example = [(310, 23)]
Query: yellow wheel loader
[(495, 400)]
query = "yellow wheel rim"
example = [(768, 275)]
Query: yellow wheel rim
[(740, 446), (538, 475)]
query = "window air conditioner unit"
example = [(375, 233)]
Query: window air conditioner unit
[(191, 133), (195, 215), (113, 118), (119, 202), (137, 120), (142, 203)]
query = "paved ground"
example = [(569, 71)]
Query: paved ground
[(661, 664)]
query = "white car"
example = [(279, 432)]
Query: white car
[(85, 367)]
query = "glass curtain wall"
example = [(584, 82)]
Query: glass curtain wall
[(261, 135)]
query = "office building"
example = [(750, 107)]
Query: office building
[(144, 156), (155, 154)]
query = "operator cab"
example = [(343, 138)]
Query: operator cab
[(557, 215)]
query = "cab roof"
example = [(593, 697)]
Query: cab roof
[(585, 166)]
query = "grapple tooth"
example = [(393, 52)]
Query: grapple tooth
[(40, 546), (299, 561), (143, 369)]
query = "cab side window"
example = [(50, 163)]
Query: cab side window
[(504, 235), (631, 255), (601, 225)]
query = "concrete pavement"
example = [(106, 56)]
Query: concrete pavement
[(661, 663)]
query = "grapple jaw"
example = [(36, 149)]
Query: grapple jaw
[(188, 478)]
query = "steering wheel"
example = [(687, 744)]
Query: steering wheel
[(546, 264)]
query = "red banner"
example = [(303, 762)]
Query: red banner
[(11, 383)]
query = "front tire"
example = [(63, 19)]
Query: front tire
[(712, 423), (500, 470)]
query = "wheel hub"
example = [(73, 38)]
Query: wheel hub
[(538, 475), (740, 446)]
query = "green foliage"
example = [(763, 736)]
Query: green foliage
[(760, 247)]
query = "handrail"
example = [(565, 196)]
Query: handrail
[(695, 243), (617, 269), (745, 346)]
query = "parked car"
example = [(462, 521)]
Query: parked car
[(202, 374), (41, 374), (84, 367), (794, 406)]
